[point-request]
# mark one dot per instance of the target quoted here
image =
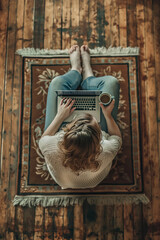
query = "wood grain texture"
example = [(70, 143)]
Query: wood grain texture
[(39, 10), (78, 223), (156, 29), (29, 221), (84, 29), (48, 24), (59, 24), (92, 34), (123, 25), (101, 23), (74, 22), (107, 27), (3, 44), (137, 222), (7, 211), (131, 24), (152, 119), (39, 223), (128, 222), (19, 223), (115, 24), (66, 27), (119, 222), (28, 24)]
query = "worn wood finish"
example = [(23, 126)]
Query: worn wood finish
[(153, 125), (3, 37), (83, 22), (59, 24), (48, 25)]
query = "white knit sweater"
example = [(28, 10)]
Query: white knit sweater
[(65, 177)]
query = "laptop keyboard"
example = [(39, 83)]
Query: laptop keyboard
[(85, 103)]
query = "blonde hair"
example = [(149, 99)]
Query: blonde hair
[(81, 144)]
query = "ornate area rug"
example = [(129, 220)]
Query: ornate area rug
[(125, 180)]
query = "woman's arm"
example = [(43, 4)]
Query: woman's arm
[(64, 111), (113, 128)]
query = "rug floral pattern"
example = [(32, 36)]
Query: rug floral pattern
[(125, 174), (45, 78)]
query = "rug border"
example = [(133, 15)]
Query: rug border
[(117, 198), (70, 201), (111, 51)]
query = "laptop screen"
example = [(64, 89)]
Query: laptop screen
[(78, 92)]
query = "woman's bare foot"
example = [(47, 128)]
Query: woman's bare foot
[(75, 58), (86, 64)]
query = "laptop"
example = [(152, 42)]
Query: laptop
[(86, 101)]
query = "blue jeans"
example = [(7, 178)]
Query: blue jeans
[(71, 81)]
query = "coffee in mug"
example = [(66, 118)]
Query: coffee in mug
[(105, 98)]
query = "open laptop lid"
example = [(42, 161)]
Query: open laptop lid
[(78, 92)]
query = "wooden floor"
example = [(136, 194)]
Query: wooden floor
[(59, 24)]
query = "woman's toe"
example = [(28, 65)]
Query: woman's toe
[(82, 48), (71, 50)]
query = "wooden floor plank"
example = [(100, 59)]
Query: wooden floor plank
[(66, 27), (29, 219), (3, 39), (118, 222), (143, 92), (128, 222), (39, 24), (90, 220), (78, 223), (107, 27), (15, 113), (101, 23), (109, 225), (48, 231), (137, 221), (156, 29), (99, 224), (7, 211), (122, 25), (57, 24), (147, 216), (58, 223), (92, 35), (28, 24), (68, 222), (131, 24), (19, 223), (152, 118), (115, 24), (39, 223), (144, 114), (83, 22), (75, 22), (48, 25), (156, 19), (20, 24)]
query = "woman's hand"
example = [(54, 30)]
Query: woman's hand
[(65, 108), (107, 110)]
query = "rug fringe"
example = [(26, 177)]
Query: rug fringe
[(111, 51), (66, 201)]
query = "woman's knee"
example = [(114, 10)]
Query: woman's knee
[(57, 82), (110, 80)]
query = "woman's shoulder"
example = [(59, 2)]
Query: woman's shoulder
[(48, 144), (107, 136)]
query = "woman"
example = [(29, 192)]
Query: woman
[(80, 154)]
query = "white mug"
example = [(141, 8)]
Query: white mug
[(105, 98)]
